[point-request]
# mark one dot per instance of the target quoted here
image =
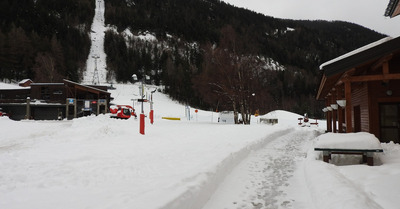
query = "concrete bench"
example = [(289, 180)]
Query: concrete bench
[(360, 143), (368, 154)]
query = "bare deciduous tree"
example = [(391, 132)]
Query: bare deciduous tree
[(229, 76)]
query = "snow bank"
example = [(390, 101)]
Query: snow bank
[(284, 117)]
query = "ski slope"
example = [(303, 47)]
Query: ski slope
[(97, 56)]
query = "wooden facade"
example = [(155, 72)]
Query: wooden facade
[(51, 101), (368, 80), (393, 8)]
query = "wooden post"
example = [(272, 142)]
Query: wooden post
[(334, 113), (340, 109), (347, 92), (28, 108), (328, 118)]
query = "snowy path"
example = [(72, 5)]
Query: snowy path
[(268, 178), (97, 54)]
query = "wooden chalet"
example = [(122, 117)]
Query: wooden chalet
[(51, 101), (361, 90)]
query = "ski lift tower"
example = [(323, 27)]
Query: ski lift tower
[(96, 72)]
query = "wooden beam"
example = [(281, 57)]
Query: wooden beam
[(340, 109), (366, 78), (87, 89), (347, 90), (328, 116), (385, 70), (334, 112), (321, 86), (381, 61)]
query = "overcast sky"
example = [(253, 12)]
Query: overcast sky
[(368, 13)]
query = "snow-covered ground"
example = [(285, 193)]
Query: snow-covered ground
[(99, 162)]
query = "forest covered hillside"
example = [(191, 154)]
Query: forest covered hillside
[(206, 53)]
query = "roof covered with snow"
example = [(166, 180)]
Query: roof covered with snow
[(361, 55), (393, 8), (360, 59), (10, 86)]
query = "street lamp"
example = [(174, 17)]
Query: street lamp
[(151, 107)]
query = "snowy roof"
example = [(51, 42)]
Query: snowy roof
[(361, 55), (356, 51), (9, 86), (86, 86), (393, 8), (24, 81)]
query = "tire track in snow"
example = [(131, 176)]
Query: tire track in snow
[(262, 179)]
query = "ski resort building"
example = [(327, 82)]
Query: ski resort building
[(361, 90), (52, 101)]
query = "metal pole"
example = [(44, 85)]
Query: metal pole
[(141, 127), (151, 107)]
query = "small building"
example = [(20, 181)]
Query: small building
[(226, 117), (25, 83), (52, 101), (361, 90)]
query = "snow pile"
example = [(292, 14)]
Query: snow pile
[(361, 140), (283, 117)]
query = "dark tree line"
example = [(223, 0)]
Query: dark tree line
[(231, 43), (200, 44), (45, 40)]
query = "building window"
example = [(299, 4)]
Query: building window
[(57, 92), (45, 93)]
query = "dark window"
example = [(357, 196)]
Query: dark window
[(57, 92), (389, 122), (45, 92)]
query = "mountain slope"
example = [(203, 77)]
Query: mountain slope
[(186, 30), (189, 46)]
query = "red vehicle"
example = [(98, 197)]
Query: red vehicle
[(2, 113), (122, 111)]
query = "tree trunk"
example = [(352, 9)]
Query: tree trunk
[(235, 113)]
